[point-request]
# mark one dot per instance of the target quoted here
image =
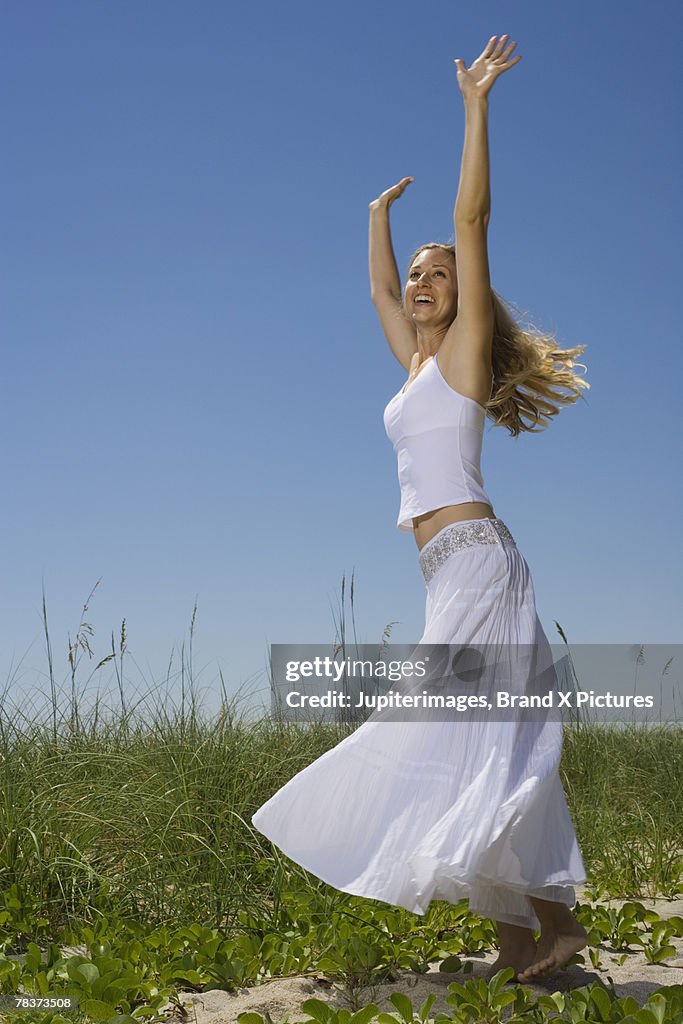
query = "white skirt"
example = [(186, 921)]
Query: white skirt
[(411, 811)]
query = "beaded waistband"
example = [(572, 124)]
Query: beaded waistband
[(458, 536)]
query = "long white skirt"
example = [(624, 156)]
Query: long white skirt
[(411, 811)]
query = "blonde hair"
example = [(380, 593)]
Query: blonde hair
[(532, 376)]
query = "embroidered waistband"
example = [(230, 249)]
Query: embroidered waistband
[(458, 536)]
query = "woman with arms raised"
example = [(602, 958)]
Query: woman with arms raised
[(421, 811)]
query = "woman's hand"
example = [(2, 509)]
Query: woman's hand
[(477, 80), (387, 198)]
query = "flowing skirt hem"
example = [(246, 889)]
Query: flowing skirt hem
[(494, 898)]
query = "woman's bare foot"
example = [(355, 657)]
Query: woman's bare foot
[(517, 949), (518, 960), (561, 937)]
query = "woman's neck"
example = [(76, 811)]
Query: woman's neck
[(428, 345)]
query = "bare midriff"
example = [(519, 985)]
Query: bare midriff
[(428, 525)]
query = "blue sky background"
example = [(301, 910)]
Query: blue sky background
[(194, 374)]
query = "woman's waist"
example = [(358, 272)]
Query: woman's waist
[(460, 535), (428, 525)]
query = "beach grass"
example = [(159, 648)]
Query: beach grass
[(150, 813), (125, 825)]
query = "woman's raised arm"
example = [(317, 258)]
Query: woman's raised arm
[(385, 280), (473, 203)]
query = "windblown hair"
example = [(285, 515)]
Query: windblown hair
[(532, 376)]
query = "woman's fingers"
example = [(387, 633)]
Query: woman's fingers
[(395, 191), (403, 183), (505, 58), (502, 53), (499, 48), (490, 46)]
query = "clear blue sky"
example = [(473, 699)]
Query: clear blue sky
[(194, 374)]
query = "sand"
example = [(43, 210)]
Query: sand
[(282, 997)]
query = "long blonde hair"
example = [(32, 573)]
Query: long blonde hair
[(532, 376)]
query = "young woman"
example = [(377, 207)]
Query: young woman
[(415, 811)]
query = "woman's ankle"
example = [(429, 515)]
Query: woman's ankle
[(554, 916)]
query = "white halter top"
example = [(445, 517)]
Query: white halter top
[(437, 435)]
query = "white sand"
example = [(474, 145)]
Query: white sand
[(282, 997)]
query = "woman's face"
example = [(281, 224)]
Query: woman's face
[(431, 292)]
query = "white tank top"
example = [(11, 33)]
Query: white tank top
[(437, 435)]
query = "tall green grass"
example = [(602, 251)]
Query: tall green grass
[(143, 808), (625, 791)]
